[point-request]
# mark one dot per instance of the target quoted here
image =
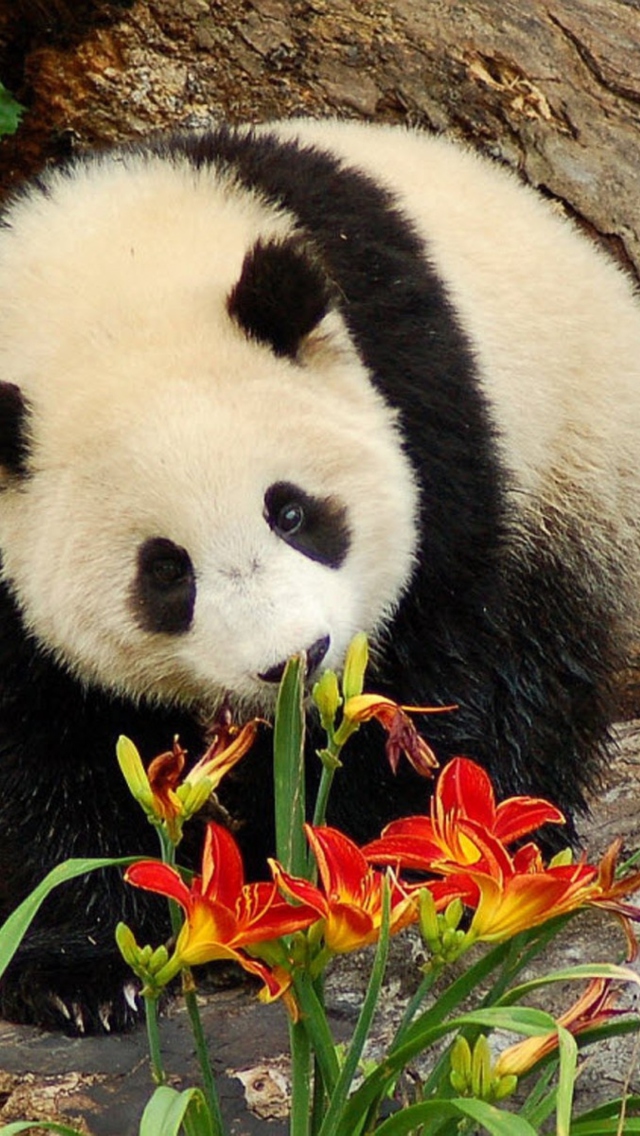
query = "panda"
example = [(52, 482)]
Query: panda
[(260, 389)]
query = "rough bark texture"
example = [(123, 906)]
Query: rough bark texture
[(552, 88)]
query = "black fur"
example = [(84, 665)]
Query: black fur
[(322, 532), (14, 418), (164, 592), (491, 622), (282, 294)]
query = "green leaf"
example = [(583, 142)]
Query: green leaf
[(334, 1120), (518, 1019), (610, 1109), (168, 1112), (288, 770), (605, 1127), (14, 928), (41, 1125), (10, 112), (572, 974), (568, 1052), (494, 1120)]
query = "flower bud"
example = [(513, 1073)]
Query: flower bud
[(355, 664), (326, 696)]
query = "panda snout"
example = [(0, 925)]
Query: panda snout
[(315, 654)]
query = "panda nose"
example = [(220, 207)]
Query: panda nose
[(315, 654)]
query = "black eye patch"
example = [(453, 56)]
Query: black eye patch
[(164, 590), (315, 526), (14, 417)]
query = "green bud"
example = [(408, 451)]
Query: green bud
[(481, 1078), (135, 774), (461, 1059), (355, 664), (127, 945), (505, 1086), (195, 796), (458, 1083), (453, 913), (158, 959), (428, 921), (326, 696)]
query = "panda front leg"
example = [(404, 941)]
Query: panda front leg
[(67, 973), (62, 795)]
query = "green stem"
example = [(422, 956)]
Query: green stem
[(324, 788), (418, 998), (153, 1036), (300, 1080), (208, 1079), (311, 998), (333, 1124)]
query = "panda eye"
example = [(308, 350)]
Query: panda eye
[(290, 519), (164, 590), (168, 570), (314, 526)]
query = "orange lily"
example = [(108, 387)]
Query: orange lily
[(224, 915), (465, 840), (465, 827), (595, 1006), (526, 895), (352, 892), (402, 736), (164, 795)]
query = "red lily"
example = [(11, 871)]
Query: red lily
[(465, 827), (352, 892), (224, 914)]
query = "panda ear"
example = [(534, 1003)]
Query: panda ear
[(14, 447), (281, 296)]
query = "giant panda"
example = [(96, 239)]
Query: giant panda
[(262, 388)]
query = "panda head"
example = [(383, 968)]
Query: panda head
[(198, 477)]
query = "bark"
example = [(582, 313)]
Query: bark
[(552, 87)]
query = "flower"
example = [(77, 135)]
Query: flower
[(595, 1006), (526, 894), (465, 841), (402, 736), (168, 799), (352, 892), (224, 915), (465, 827)]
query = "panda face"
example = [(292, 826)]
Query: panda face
[(196, 484), (185, 556)]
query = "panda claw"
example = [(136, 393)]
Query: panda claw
[(60, 1006), (130, 996), (104, 1013), (78, 1017)]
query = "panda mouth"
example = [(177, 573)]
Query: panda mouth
[(314, 656)]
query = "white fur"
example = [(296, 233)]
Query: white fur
[(555, 328), (155, 415)]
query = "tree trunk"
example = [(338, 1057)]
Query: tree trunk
[(552, 88)]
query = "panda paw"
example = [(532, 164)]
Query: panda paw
[(79, 1017), (63, 1003)]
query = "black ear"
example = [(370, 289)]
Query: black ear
[(14, 412), (282, 294)]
